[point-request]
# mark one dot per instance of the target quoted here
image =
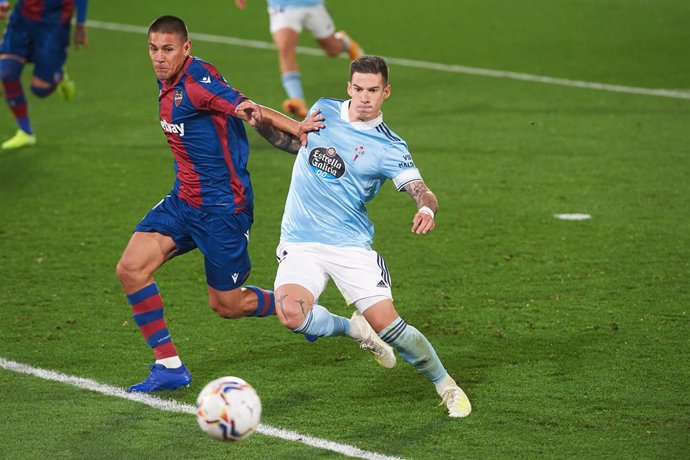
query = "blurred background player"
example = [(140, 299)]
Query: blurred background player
[(38, 31), (326, 233), (287, 18), (211, 204)]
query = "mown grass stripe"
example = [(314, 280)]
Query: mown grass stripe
[(675, 94)]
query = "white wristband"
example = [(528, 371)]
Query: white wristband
[(426, 210)]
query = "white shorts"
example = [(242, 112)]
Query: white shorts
[(316, 19), (357, 272)]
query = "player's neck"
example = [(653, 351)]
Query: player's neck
[(173, 78), (352, 116)]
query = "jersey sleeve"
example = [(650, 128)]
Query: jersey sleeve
[(398, 166), (212, 93), (81, 6)]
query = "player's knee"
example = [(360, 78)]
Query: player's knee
[(42, 91), (226, 309), (291, 318), (290, 323), (10, 70), (128, 274)]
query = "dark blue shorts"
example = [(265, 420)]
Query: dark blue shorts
[(43, 44), (223, 239)]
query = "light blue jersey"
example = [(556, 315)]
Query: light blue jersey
[(293, 3), (342, 168)]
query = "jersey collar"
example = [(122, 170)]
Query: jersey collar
[(360, 125)]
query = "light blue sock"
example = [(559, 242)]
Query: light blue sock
[(322, 323), (414, 348), (292, 82)]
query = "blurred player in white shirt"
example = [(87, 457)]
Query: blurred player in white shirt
[(287, 19)]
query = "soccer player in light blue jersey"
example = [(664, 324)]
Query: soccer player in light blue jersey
[(287, 19), (326, 233)]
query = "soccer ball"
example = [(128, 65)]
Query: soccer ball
[(228, 409)]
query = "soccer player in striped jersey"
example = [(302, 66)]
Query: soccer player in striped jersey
[(326, 233), (210, 206), (38, 31), (287, 19)]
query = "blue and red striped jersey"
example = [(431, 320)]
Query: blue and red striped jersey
[(209, 144), (52, 11)]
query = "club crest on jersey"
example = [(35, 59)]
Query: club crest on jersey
[(326, 162), (173, 128), (178, 97), (359, 151)]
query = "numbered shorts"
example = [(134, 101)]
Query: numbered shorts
[(43, 44), (358, 273), (222, 238), (316, 19)]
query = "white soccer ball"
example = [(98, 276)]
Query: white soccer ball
[(228, 409)]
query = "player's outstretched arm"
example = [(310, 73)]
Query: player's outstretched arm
[(427, 207), (280, 131), (264, 120)]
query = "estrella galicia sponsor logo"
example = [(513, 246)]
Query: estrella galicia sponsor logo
[(173, 128), (178, 97), (326, 162)]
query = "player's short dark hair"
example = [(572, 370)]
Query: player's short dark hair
[(370, 64), (169, 25)]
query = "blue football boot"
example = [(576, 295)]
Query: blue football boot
[(163, 378)]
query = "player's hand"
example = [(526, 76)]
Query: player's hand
[(241, 4), (5, 9), (422, 223), (313, 122), (81, 38), (250, 112)]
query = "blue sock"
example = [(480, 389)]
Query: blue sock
[(322, 323), (24, 124), (292, 82), (10, 73), (266, 302), (414, 348)]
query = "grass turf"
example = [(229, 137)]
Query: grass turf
[(569, 337)]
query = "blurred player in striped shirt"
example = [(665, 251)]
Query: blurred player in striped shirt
[(38, 31)]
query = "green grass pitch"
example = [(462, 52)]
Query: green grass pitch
[(570, 337)]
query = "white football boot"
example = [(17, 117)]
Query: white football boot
[(368, 339), (454, 398)]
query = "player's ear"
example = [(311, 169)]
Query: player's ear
[(349, 88), (187, 47), (386, 92)]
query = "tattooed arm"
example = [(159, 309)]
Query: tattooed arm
[(279, 139), (280, 131), (427, 206)]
